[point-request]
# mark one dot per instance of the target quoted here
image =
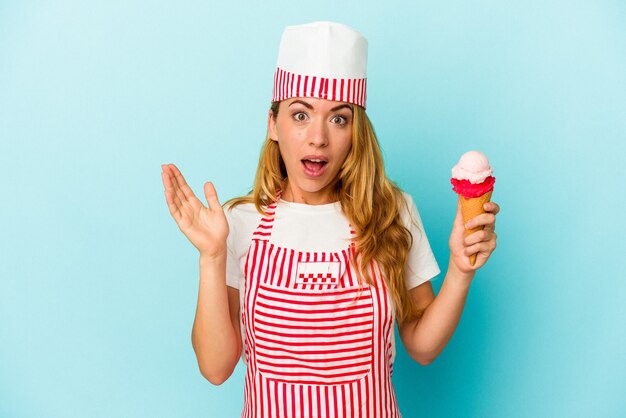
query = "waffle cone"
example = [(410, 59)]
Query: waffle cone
[(470, 208)]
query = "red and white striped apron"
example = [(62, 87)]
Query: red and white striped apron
[(317, 343)]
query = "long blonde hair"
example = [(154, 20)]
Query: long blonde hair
[(371, 202)]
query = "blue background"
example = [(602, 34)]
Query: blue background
[(98, 286)]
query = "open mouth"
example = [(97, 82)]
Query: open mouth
[(314, 166)]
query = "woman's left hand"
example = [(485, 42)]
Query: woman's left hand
[(482, 243)]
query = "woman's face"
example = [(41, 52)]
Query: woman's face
[(314, 137)]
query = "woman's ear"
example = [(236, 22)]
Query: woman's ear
[(271, 126)]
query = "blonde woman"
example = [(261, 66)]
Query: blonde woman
[(305, 277)]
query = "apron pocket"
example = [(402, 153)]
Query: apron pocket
[(323, 338)]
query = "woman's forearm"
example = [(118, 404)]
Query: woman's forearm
[(215, 340), (429, 334)]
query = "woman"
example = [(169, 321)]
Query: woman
[(305, 277)]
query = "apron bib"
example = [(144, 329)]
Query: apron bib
[(317, 343)]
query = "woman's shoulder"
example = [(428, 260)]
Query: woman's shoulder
[(406, 204), (408, 211), (241, 212)]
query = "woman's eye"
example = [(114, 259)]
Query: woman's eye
[(299, 116), (340, 120)]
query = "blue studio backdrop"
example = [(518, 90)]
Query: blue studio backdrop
[(98, 286)]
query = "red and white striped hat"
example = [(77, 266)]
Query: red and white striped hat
[(325, 60)]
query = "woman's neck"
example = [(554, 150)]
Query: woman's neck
[(317, 198)]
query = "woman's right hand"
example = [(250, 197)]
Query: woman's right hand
[(205, 227)]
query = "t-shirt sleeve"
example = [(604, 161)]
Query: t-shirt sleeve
[(421, 264), (233, 270)]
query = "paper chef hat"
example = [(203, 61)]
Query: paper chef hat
[(325, 60)]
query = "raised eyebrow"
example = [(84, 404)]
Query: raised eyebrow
[(303, 103), (336, 108)]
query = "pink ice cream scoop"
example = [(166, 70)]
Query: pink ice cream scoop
[(472, 175)]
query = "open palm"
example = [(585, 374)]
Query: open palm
[(205, 227)]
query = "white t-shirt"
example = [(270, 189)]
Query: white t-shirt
[(318, 228)]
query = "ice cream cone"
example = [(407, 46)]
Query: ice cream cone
[(470, 208)]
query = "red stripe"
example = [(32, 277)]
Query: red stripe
[(274, 261), (283, 74), (377, 357), (298, 86), (282, 267), (384, 337), (364, 92), (317, 394), (262, 259), (269, 405), (292, 77), (290, 272), (367, 404), (261, 399), (267, 267), (341, 91), (321, 88), (352, 90), (306, 82), (283, 410), (326, 89), (327, 401), (361, 90), (359, 397), (334, 89), (352, 410)]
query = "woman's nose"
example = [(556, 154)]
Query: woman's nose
[(318, 134)]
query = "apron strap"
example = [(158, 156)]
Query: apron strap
[(264, 230)]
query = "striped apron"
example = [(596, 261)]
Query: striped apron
[(316, 342)]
